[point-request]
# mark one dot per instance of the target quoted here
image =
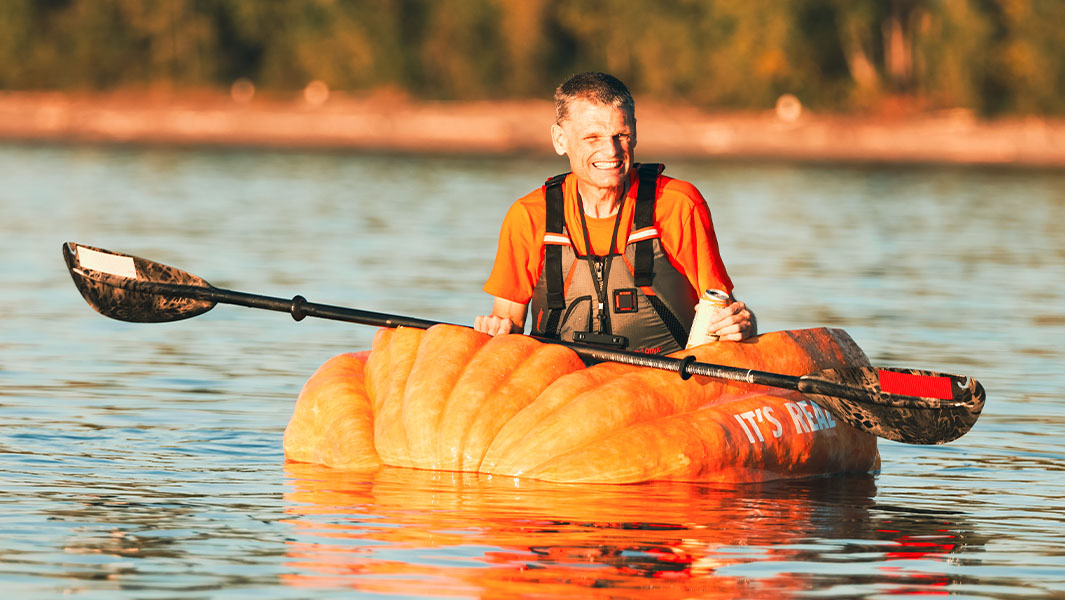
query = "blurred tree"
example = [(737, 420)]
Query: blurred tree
[(950, 53), (525, 40), (285, 45), (992, 56), (1024, 70), (19, 25), (461, 49), (110, 43)]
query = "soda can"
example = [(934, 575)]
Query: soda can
[(709, 303)]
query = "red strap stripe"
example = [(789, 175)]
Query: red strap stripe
[(925, 386)]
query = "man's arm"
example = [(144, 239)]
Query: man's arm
[(507, 317), (694, 247)]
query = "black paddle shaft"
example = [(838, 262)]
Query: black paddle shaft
[(686, 366), (300, 308)]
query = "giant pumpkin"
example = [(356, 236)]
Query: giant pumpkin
[(449, 398)]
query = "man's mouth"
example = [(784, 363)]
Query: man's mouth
[(607, 164)]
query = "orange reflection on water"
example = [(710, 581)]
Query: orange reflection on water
[(428, 533)]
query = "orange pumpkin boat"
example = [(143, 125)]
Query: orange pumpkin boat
[(450, 398)]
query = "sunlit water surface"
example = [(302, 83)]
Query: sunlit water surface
[(145, 461)]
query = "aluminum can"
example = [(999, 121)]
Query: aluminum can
[(710, 301)]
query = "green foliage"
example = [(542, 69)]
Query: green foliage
[(992, 56)]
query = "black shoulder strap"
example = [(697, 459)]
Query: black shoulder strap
[(556, 297), (644, 262)]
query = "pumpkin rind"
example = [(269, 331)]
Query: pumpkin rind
[(508, 374), (390, 363), (450, 398), (443, 356), (511, 437), (326, 431)]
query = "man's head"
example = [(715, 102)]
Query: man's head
[(596, 128), (599, 88)]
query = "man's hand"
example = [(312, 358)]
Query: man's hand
[(494, 325), (507, 317), (734, 322)]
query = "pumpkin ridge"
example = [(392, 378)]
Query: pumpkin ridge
[(379, 353), (561, 434), (546, 363), (332, 422), (555, 396), (443, 356), (559, 468), (460, 442), (390, 438)]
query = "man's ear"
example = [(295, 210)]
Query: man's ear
[(558, 138)]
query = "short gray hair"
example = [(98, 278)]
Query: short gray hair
[(595, 87)]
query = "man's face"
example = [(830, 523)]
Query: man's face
[(599, 140)]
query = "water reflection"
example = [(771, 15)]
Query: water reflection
[(402, 531)]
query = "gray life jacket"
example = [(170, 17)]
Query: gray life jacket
[(637, 300)]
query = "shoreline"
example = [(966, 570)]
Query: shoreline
[(398, 124)]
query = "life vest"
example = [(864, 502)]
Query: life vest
[(636, 300)]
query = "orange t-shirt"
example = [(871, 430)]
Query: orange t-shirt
[(681, 215)]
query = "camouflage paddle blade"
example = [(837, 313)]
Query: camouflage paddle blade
[(905, 405), (128, 288)]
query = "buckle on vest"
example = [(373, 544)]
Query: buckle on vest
[(601, 339)]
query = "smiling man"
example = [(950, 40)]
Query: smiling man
[(613, 253)]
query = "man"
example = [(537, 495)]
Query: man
[(613, 253)]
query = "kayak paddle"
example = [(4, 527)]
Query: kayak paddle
[(905, 405)]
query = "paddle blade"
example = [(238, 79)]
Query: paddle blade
[(905, 405), (120, 286)]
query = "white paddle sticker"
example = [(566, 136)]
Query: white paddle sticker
[(121, 266)]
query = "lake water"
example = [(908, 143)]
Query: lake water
[(145, 461)]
